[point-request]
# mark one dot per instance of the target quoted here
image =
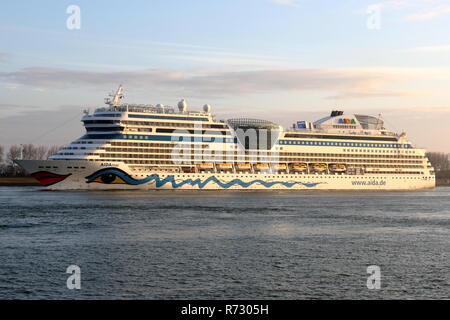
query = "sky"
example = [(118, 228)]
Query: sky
[(280, 60)]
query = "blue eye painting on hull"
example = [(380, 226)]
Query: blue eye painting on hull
[(117, 176)]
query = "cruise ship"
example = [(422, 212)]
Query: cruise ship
[(130, 146)]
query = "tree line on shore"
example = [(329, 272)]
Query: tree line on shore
[(25, 152), (441, 164), (439, 160)]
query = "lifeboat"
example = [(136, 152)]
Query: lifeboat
[(280, 167), (320, 167), (188, 170), (205, 166), (262, 166), (243, 166), (299, 167), (338, 167), (224, 166)]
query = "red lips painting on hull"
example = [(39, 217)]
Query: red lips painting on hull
[(47, 178)]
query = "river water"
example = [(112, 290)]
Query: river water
[(224, 245)]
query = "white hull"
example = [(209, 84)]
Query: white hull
[(86, 175)]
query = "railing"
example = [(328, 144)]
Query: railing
[(343, 131), (146, 109)]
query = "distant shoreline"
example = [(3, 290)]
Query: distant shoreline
[(18, 181), (445, 182)]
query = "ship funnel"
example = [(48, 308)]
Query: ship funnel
[(336, 113)]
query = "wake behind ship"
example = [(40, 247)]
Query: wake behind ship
[(156, 147)]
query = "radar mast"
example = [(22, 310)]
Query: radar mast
[(116, 97)]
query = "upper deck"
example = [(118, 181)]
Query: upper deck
[(354, 126), (146, 109)]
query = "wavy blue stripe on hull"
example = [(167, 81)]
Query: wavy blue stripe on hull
[(197, 182)]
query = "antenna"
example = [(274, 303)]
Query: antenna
[(378, 120), (116, 97)]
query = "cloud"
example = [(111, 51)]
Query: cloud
[(197, 53), (420, 109), (238, 60), (341, 83), (290, 3), (377, 94), (8, 109), (432, 49), (4, 57), (429, 14), (42, 77), (405, 4), (41, 126), (415, 10), (393, 4)]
